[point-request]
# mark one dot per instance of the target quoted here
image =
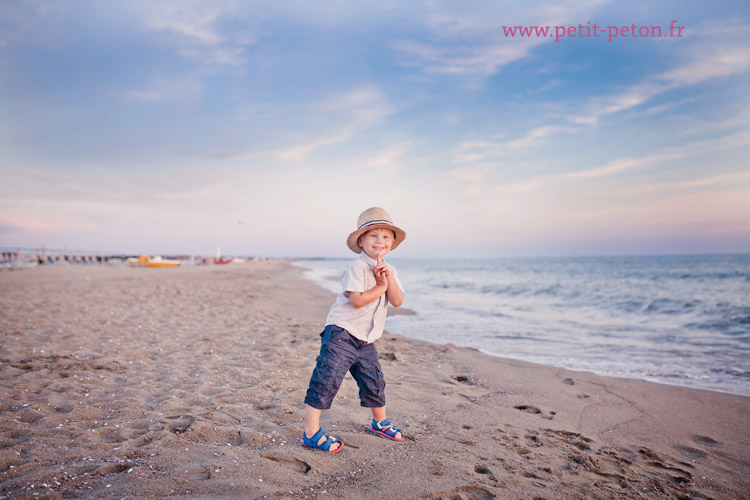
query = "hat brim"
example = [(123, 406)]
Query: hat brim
[(351, 241)]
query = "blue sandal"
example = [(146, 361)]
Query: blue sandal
[(325, 445), (386, 430)]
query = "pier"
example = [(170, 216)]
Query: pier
[(16, 258), (28, 257)]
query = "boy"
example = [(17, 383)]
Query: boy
[(354, 322)]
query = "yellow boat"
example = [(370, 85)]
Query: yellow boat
[(146, 261)]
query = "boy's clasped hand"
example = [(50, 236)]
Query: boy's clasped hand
[(382, 272)]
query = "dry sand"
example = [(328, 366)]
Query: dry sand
[(157, 383)]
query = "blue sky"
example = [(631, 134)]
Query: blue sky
[(180, 127)]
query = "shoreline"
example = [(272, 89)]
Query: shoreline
[(652, 334), (405, 311), (614, 377), (189, 382)]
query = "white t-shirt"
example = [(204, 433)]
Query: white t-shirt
[(367, 322)]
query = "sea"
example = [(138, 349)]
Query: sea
[(679, 320)]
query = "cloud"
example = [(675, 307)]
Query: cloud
[(629, 98), (366, 105), (387, 158), (690, 150), (302, 150), (483, 60), (474, 178), (718, 50), (533, 137), (295, 130), (341, 116), (194, 21), (200, 32), (179, 88), (473, 151), (670, 105), (722, 49), (652, 197), (607, 170), (468, 39), (734, 179), (31, 225), (474, 173)]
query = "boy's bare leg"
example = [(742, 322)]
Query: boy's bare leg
[(312, 420), (379, 415), (312, 425)]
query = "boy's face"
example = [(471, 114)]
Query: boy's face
[(376, 242)]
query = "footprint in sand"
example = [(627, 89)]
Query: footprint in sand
[(705, 440), (291, 463), (210, 434), (572, 438), (692, 453), (533, 410), (388, 356), (464, 493), (482, 469), (267, 406), (696, 454), (532, 438), (464, 379), (524, 452), (570, 381), (653, 460), (178, 424), (202, 473), (111, 468)]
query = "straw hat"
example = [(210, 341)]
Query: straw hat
[(374, 218)]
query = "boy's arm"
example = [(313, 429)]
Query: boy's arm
[(361, 299), (394, 293)]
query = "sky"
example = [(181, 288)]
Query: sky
[(180, 127)]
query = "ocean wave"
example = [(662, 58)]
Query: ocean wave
[(670, 306), (511, 290), (732, 372), (718, 276)]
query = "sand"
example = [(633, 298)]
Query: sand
[(188, 383)]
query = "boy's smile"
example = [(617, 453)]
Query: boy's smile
[(376, 242)]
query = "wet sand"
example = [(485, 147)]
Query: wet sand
[(188, 383)]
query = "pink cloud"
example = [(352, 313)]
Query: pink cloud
[(27, 224)]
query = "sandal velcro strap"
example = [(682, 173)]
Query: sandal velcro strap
[(379, 425), (325, 445), (385, 429)]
